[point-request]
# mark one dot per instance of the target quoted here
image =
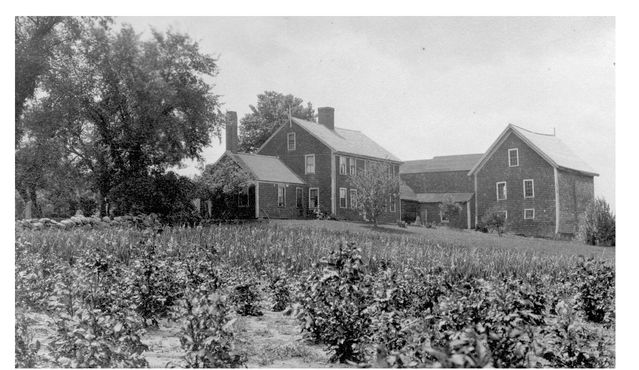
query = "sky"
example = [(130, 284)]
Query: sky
[(423, 86)]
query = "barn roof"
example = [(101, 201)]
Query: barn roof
[(265, 168), (462, 162), (346, 141), (406, 192), (549, 147)]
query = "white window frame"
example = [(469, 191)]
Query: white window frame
[(533, 213), (352, 166), (353, 195), (306, 158), (516, 150), (243, 193), (283, 187), (505, 190), (288, 141), (533, 188), (345, 192), (310, 190), (343, 165)]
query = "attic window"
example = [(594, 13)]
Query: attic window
[(513, 157), (290, 139)]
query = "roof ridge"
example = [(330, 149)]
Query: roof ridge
[(532, 132)]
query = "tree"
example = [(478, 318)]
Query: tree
[(597, 225), (36, 39), (223, 181), (376, 186), (494, 220), (127, 108), (271, 112), (449, 208)]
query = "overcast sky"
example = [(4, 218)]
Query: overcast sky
[(425, 86)]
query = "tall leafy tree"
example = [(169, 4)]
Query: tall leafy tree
[(127, 107), (272, 110), (36, 40)]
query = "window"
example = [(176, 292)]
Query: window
[(310, 163), (290, 139), (529, 214), (353, 194), (299, 194), (342, 198), (243, 197), (529, 188), (342, 165), (393, 205), (352, 163), (281, 195), (313, 198), (443, 218), (501, 191), (513, 157)]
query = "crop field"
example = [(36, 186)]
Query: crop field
[(309, 294)]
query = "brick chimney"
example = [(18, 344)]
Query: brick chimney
[(326, 117), (231, 132)]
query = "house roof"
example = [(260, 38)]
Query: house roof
[(462, 162), (265, 168), (346, 141), (406, 192), (549, 147)]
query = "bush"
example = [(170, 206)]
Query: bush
[(25, 349), (494, 220), (205, 334), (245, 300), (597, 226), (596, 284), (336, 304)]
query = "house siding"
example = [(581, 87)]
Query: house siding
[(531, 166), (305, 144), (443, 182), (575, 192), (268, 201)]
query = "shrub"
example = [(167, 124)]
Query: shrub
[(205, 334), (26, 350), (596, 283), (245, 299), (281, 291), (597, 226), (336, 304), (494, 220)]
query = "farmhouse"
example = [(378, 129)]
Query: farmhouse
[(536, 180), (304, 168), (429, 182)]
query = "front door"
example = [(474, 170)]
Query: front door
[(423, 216)]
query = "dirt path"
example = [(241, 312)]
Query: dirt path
[(272, 340)]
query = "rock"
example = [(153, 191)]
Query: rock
[(38, 225), (106, 219)]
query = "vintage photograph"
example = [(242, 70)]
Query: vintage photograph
[(310, 192)]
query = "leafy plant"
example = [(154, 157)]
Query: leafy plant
[(336, 304), (205, 333), (26, 350), (596, 284), (245, 299), (494, 220)]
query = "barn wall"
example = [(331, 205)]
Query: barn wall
[(531, 166), (575, 192)]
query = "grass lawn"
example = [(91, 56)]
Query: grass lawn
[(467, 238)]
